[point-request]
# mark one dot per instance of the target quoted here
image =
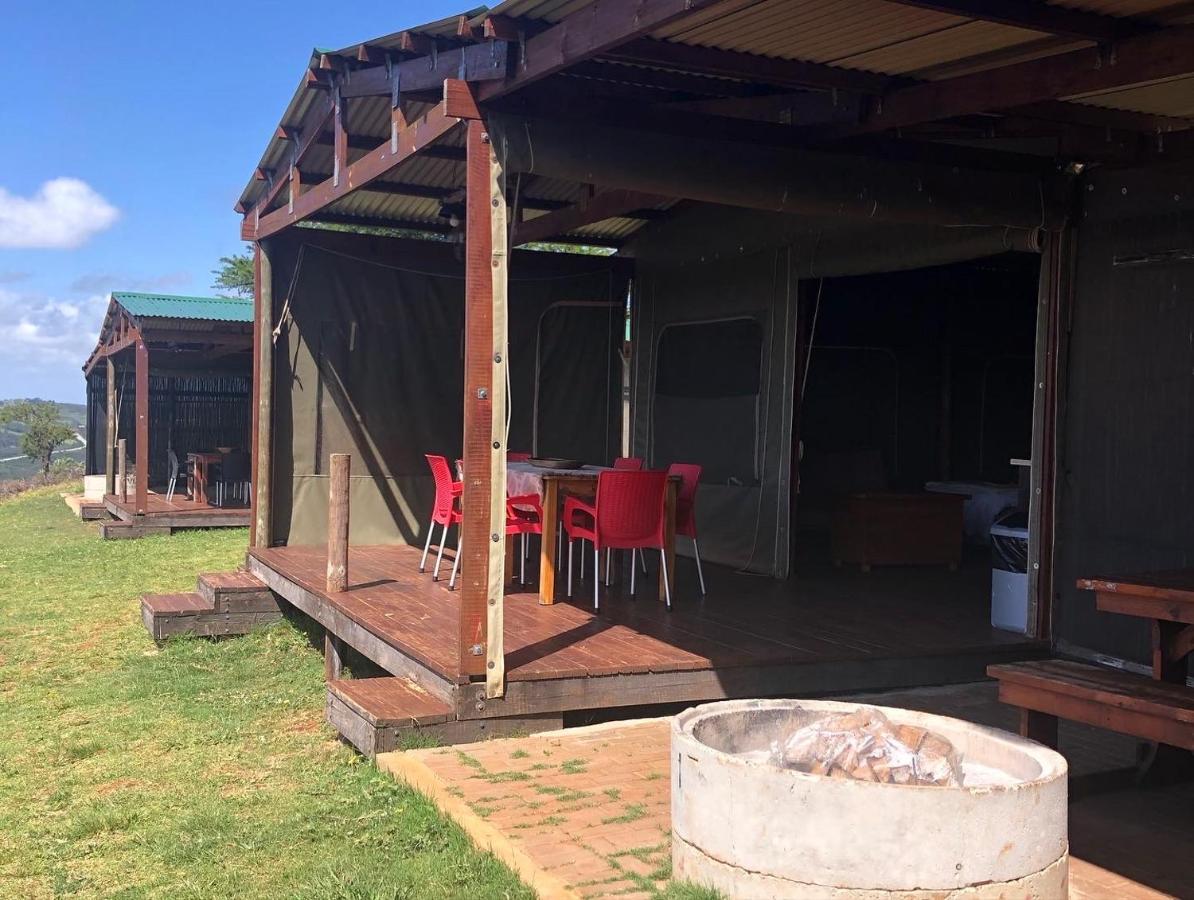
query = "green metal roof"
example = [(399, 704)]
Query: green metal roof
[(170, 306)]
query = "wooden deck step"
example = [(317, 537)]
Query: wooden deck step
[(236, 592), (373, 714), (166, 615), (376, 714), (121, 530)]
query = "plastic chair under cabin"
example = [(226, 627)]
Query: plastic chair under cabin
[(621, 464), (172, 457), (627, 514), (521, 521), (530, 503), (690, 479), (446, 510), (235, 471)]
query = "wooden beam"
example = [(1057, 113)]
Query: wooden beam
[(475, 62), (304, 138), (1037, 16), (605, 205), (777, 178), (468, 32), (364, 222), (476, 532), (368, 53), (338, 484), (425, 130), (1160, 55), (155, 337), (602, 71), (459, 100), (417, 43), (800, 108), (504, 28), (296, 186), (785, 73), (110, 433), (339, 137), (592, 30), (263, 379), (142, 425), (1102, 117)]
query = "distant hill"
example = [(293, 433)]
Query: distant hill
[(14, 465)]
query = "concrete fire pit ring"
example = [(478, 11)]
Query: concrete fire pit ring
[(750, 828)]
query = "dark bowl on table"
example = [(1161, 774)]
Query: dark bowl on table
[(553, 462)]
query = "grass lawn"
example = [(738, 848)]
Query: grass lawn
[(199, 769)]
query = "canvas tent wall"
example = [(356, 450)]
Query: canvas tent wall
[(368, 361), (718, 292), (1126, 490)]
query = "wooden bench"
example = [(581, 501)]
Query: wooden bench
[(1105, 698)]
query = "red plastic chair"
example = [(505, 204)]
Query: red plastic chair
[(520, 520), (690, 478), (526, 502), (627, 514), (621, 464), (446, 512)]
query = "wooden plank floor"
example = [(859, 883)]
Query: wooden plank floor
[(180, 512), (823, 615)]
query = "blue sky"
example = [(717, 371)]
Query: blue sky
[(131, 127)]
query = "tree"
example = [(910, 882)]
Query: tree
[(235, 274), (45, 429)]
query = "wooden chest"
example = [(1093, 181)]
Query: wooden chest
[(883, 529)]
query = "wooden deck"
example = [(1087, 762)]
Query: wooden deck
[(825, 632), (177, 513)]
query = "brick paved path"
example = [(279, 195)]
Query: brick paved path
[(586, 812)]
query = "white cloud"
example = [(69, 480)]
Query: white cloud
[(48, 337), (63, 213), (103, 282)]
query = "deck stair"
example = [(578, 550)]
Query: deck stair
[(376, 715), (118, 529), (223, 603)]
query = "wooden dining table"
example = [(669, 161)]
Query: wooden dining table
[(201, 463), (553, 485)]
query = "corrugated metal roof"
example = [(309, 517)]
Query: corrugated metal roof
[(878, 36), (172, 306)]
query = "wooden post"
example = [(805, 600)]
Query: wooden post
[(333, 657), (337, 577), (1053, 304), (1038, 726), (142, 500), (263, 362), (122, 478), (478, 539), (110, 442)]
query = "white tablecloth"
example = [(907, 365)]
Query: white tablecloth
[(524, 478)]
